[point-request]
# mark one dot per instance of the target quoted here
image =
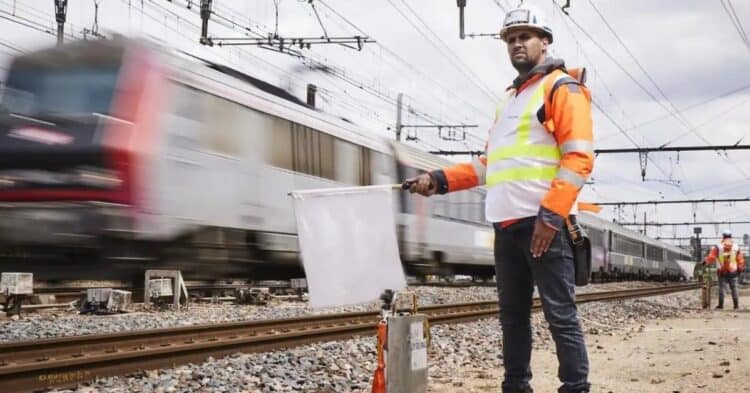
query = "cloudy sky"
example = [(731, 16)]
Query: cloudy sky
[(661, 72)]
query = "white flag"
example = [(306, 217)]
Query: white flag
[(347, 237)]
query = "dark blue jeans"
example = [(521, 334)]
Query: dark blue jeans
[(731, 279), (553, 274)]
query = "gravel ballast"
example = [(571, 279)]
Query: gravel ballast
[(345, 366)]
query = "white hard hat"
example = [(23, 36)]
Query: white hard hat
[(726, 233), (526, 16)]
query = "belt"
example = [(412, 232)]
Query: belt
[(513, 221)]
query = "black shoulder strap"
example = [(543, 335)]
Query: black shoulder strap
[(566, 80)]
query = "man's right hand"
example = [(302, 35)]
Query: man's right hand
[(423, 184)]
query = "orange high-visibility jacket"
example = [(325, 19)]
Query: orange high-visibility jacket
[(566, 114), (728, 256)]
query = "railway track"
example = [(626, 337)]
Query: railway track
[(39, 364)]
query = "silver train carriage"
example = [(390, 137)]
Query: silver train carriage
[(621, 254), (116, 157)]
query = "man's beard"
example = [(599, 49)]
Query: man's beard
[(522, 66)]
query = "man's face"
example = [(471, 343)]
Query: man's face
[(526, 48)]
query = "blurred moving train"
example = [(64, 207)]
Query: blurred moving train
[(116, 157)]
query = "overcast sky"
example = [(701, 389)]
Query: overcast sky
[(690, 48)]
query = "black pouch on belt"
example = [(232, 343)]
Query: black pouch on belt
[(581, 251)]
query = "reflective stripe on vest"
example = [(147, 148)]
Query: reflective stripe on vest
[(522, 156), (523, 149)]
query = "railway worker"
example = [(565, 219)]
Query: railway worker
[(539, 155), (731, 264)]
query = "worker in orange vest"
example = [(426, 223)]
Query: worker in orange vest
[(731, 263), (538, 156)]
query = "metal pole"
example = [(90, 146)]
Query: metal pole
[(61, 8), (461, 5), (205, 15), (398, 116)]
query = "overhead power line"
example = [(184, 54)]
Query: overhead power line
[(275, 41), (626, 72), (672, 149), (449, 55), (283, 42), (676, 112), (693, 106), (416, 70), (664, 224), (688, 238), (457, 152), (671, 202), (595, 102), (729, 9)]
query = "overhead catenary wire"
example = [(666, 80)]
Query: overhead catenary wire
[(676, 112), (400, 62), (502, 7), (471, 76), (590, 64), (699, 104), (236, 25), (197, 28), (355, 83), (680, 119), (344, 78), (620, 128), (625, 71), (730, 11), (408, 65)]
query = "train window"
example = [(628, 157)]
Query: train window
[(281, 144), (348, 168), (72, 89), (325, 154), (312, 152), (301, 149), (381, 169), (221, 134), (673, 256), (626, 245), (188, 102), (187, 117), (596, 235), (365, 178), (654, 253)]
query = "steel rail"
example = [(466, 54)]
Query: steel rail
[(59, 362)]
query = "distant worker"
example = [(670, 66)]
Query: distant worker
[(538, 156), (731, 264)]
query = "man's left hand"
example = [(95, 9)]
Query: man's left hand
[(542, 238)]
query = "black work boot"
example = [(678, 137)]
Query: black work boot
[(720, 307)]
